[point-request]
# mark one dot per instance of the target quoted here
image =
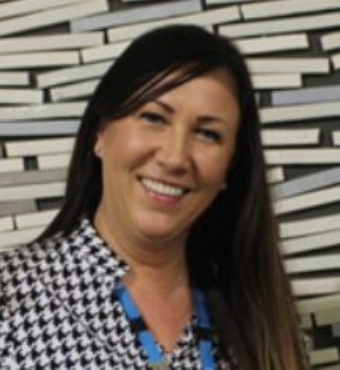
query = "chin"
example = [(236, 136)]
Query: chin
[(161, 233)]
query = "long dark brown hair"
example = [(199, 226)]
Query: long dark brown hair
[(232, 249)]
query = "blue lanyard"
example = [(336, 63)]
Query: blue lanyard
[(156, 358)]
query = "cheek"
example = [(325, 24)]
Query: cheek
[(213, 171), (123, 146)]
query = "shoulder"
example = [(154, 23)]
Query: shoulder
[(48, 262), (39, 256), (29, 260)]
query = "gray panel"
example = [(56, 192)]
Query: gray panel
[(306, 183), (148, 13), (308, 95), (225, 2), (17, 207), (32, 177), (336, 330), (39, 128)]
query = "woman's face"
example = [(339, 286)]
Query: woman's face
[(163, 164)]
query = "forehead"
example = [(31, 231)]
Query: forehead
[(215, 87)]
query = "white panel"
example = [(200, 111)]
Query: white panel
[(276, 81), (28, 6), (53, 161), (50, 42), (336, 61), (79, 90), (11, 165), (35, 147), (288, 65), (330, 41), (34, 219), (286, 7), (205, 18), (21, 96), (336, 137), (14, 79), (275, 175), (300, 112), (315, 286), (32, 191), (55, 110), (31, 176), (309, 200), (294, 24), (307, 306), (302, 156), (219, 2), (324, 356), (19, 237), (103, 52), (328, 317), (290, 137), (68, 75), (6, 224), (51, 17), (310, 243), (273, 44), (48, 59), (314, 263), (309, 226)]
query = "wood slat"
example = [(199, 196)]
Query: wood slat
[(23, 148), (206, 18), (286, 25), (310, 243), (309, 200), (65, 41), (51, 17), (313, 225), (284, 8)]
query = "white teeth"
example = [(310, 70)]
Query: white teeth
[(161, 188)]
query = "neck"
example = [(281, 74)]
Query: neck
[(160, 267)]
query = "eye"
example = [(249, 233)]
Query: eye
[(210, 135), (153, 117)]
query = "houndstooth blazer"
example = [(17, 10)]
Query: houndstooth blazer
[(58, 310)]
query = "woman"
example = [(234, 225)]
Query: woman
[(165, 252)]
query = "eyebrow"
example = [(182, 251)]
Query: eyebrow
[(205, 119), (165, 106)]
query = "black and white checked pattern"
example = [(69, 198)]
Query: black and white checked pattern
[(58, 310)]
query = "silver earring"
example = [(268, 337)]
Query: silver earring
[(96, 151)]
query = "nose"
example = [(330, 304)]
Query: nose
[(174, 153)]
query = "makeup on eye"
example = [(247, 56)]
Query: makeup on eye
[(153, 117), (208, 134)]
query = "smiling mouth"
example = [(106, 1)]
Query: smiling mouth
[(163, 189)]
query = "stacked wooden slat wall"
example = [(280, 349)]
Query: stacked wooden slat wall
[(53, 52)]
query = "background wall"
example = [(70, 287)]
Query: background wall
[(53, 52)]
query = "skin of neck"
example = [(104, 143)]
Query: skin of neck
[(158, 266), (158, 281)]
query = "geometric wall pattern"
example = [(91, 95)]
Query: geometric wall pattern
[(53, 52)]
